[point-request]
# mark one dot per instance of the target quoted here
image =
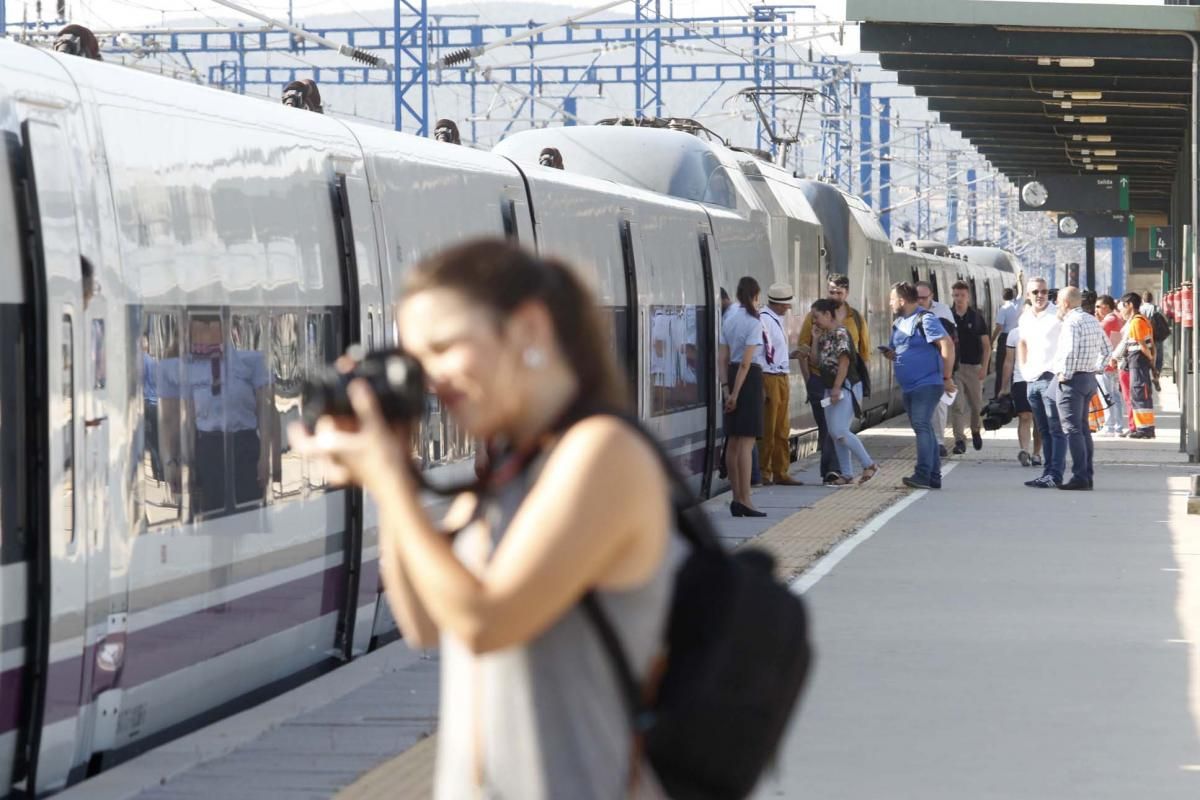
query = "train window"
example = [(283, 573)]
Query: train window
[(989, 310), (162, 455), (916, 276), (67, 428), (674, 363), (720, 191), (287, 377), (974, 293), (679, 342), (933, 284)]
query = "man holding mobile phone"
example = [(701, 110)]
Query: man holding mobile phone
[(923, 355)]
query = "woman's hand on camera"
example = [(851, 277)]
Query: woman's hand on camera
[(365, 449)]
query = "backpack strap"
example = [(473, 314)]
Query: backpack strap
[(627, 682), (693, 525)]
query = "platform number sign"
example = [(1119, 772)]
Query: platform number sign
[(1162, 242)]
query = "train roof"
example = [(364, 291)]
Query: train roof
[(993, 257), (665, 161)]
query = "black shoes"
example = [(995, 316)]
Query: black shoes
[(1141, 433), (739, 510), (960, 447), (943, 451), (976, 440), (1044, 482), (914, 483), (1077, 485)]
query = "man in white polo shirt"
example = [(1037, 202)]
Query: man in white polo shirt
[(777, 421), (1040, 326)]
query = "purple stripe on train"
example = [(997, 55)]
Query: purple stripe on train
[(185, 641)]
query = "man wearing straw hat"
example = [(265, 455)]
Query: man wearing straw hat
[(777, 418)]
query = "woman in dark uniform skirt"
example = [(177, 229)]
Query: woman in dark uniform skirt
[(744, 334)]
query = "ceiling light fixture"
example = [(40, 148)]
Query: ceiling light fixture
[(1093, 119), (1107, 153), (1099, 138), (1045, 61), (1087, 95), (1066, 103), (1077, 62), (1107, 167)]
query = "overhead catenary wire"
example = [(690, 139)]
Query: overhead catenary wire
[(464, 54), (355, 53)]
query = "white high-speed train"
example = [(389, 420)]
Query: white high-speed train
[(174, 260)]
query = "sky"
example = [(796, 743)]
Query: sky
[(121, 13)]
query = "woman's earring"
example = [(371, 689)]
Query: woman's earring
[(533, 357)]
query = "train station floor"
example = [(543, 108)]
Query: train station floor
[(984, 641)]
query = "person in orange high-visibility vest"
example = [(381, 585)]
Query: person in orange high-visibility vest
[(1135, 356)]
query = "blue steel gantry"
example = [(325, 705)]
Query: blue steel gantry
[(757, 51)]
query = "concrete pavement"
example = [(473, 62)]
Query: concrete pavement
[(995, 641)]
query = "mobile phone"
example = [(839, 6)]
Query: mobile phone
[(883, 348)]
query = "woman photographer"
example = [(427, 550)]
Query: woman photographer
[(575, 501)]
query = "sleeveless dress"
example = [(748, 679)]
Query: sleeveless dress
[(546, 719)]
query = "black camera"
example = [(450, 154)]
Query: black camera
[(396, 378)]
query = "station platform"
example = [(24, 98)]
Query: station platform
[(986, 640)]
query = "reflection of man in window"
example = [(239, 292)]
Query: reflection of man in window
[(226, 392)]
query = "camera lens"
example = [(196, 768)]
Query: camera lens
[(396, 379)]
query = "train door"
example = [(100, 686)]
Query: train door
[(60, 577), (630, 317), (362, 302), (711, 396)]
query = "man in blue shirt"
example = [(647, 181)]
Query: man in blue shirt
[(923, 355)]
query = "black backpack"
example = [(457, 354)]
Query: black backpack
[(738, 656), (864, 371), (1162, 328)]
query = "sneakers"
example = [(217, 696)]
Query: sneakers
[(915, 483), (1024, 458), (943, 451), (1035, 460), (976, 440), (960, 447), (1044, 482)]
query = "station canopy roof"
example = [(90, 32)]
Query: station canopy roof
[(1040, 87)]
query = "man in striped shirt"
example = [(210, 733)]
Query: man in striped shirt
[(1082, 352)]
